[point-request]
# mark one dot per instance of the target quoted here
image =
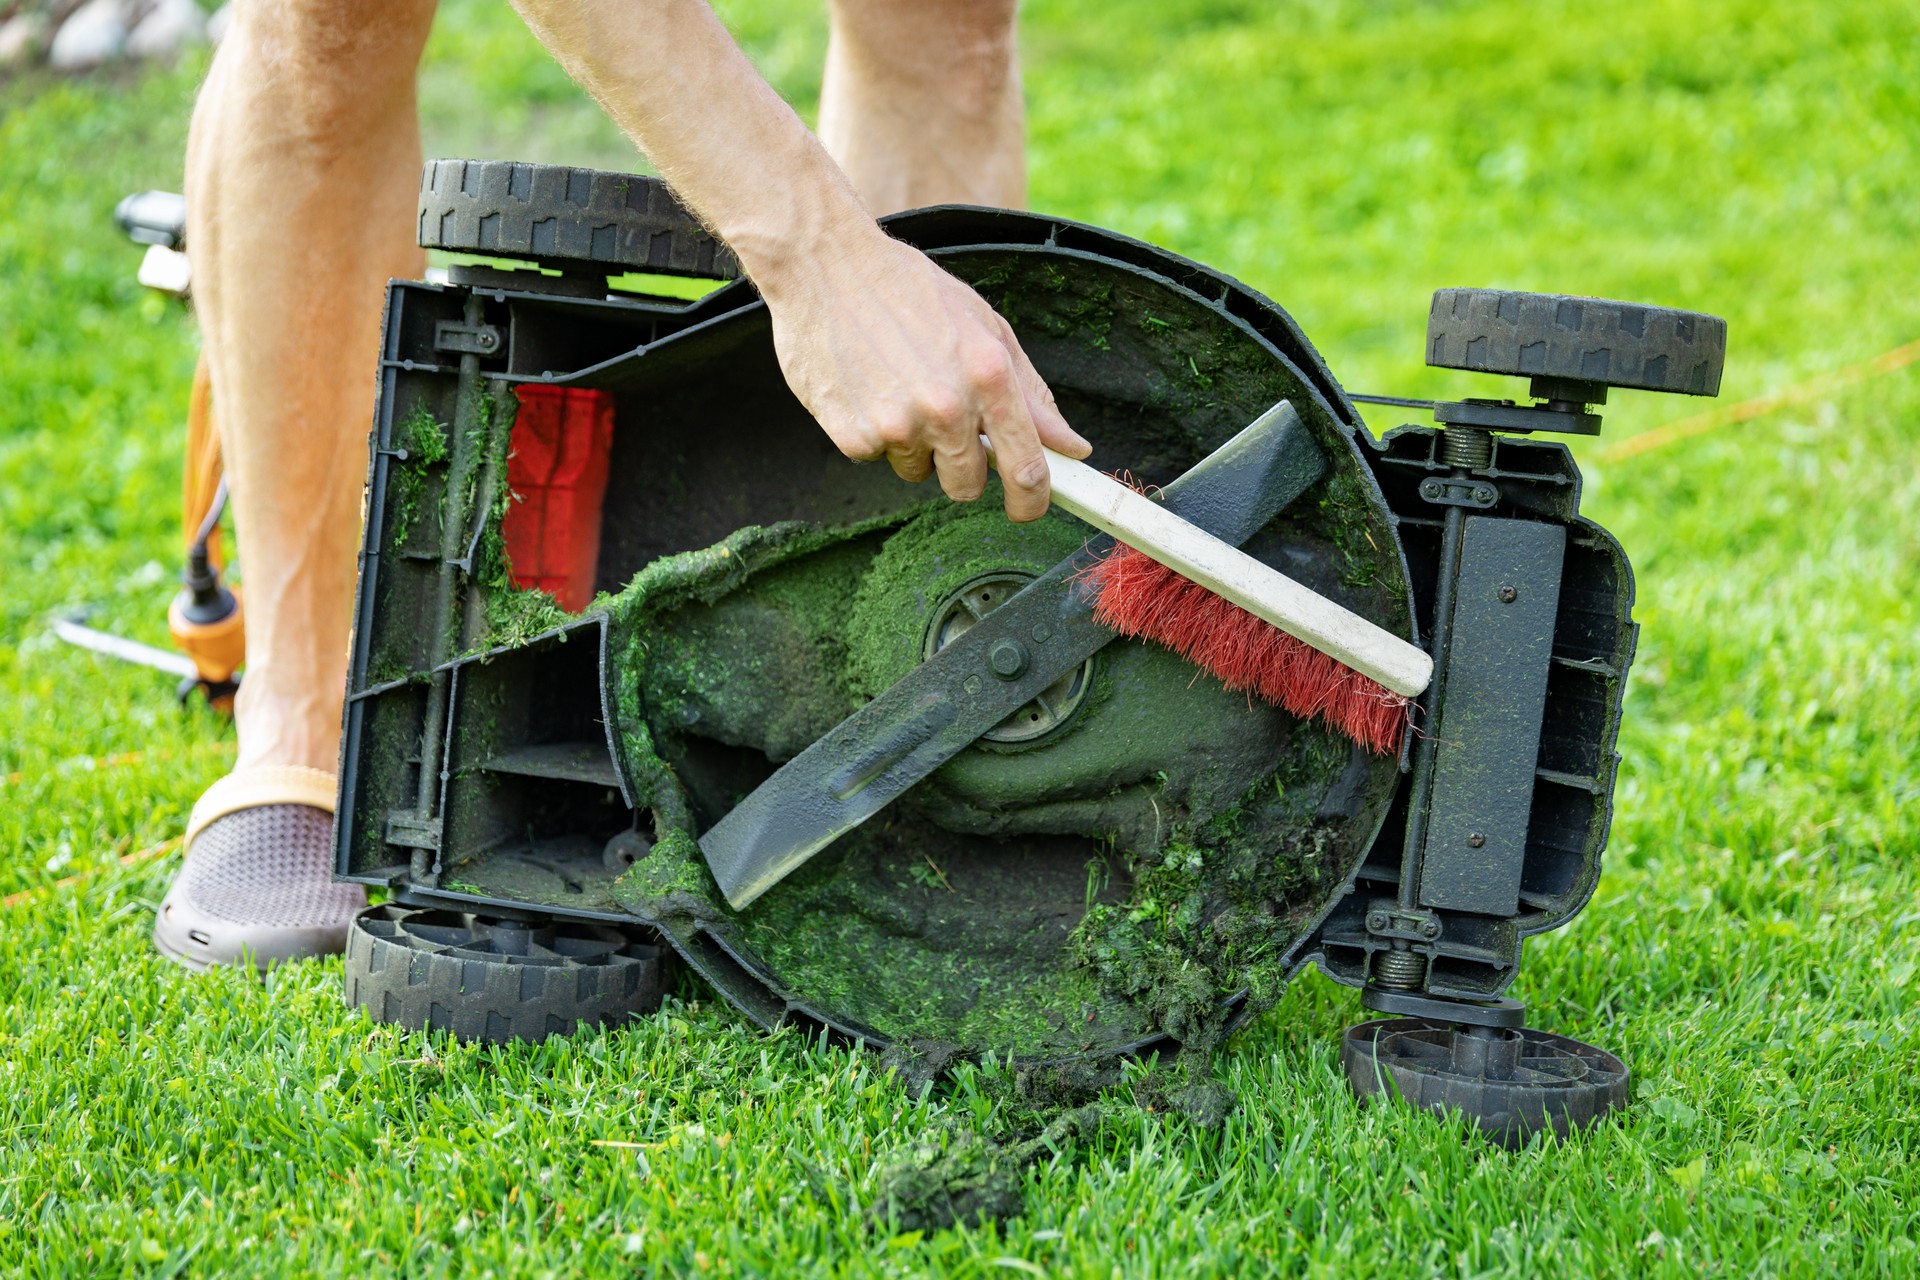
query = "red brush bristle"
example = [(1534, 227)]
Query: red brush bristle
[(1137, 596)]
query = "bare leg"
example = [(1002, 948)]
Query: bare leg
[(302, 172), (303, 168), (922, 105)]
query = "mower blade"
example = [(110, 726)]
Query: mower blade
[(133, 651), (939, 708)]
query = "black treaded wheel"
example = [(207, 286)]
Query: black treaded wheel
[(488, 978), (1593, 340), (578, 220), (1512, 1084)]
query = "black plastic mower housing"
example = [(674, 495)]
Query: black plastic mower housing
[(483, 765)]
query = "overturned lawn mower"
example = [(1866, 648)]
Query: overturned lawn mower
[(617, 586)]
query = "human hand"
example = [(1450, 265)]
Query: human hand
[(897, 359), (893, 356)]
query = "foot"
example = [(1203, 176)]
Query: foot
[(258, 886)]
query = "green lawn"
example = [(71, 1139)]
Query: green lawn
[(1751, 949)]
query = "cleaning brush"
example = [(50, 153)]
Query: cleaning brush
[(1136, 596), (1246, 623)]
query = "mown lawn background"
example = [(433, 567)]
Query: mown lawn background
[(1752, 947)]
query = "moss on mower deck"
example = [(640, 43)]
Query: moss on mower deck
[(1178, 376), (926, 935), (1214, 913), (510, 613), (704, 575), (1133, 903), (852, 947), (928, 561), (422, 439)]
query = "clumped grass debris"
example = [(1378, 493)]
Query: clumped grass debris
[(1744, 948)]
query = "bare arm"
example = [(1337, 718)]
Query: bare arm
[(892, 355)]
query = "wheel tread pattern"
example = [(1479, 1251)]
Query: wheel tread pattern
[(1620, 344), (494, 999), (574, 219)]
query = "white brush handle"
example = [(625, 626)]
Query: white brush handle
[(1225, 570)]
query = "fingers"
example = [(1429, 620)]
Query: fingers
[(1008, 422), (963, 471), (911, 464), (1014, 409), (915, 367), (1047, 419)]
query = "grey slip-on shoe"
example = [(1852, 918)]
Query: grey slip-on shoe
[(258, 882)]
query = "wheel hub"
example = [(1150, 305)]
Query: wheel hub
[(1056, 705)]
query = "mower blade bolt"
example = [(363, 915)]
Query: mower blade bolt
[(1007, 658)]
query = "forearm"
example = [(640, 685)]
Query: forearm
[(671, 77), (891, 355)]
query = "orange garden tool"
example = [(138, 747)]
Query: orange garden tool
[(205, 618)]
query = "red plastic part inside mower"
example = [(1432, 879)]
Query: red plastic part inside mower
[(558, 473)]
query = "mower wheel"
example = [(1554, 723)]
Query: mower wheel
[(495, 979), (582, 221), (1578, 340), (1511, 1083)]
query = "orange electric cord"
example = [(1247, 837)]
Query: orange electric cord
[(210, 632)]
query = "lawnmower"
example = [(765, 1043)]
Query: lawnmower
[(628, 623)]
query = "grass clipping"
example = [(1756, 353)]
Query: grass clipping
[(962, 1172), (1198, 943)]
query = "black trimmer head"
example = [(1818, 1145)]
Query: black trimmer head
[(1132, 859)]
